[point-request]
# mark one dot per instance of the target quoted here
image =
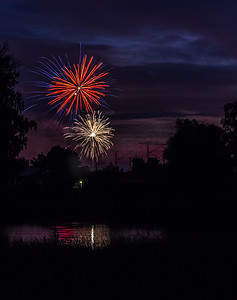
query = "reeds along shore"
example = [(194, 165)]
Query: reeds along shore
[(178, 266)]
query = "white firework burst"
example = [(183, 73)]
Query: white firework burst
[(91, 134)]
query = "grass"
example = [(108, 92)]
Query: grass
[(185, 267)]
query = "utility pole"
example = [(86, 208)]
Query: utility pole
[(148, 152), (161, 146), (116, 158), (130, 163), (147, 149)]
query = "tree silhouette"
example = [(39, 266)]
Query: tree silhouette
[(197, 150), (59, 167), (229, 123), (138, 165), (13, 125)]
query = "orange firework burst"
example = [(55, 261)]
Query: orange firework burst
[(73, 89), (82, 86)]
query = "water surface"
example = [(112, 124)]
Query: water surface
[(89, 235)]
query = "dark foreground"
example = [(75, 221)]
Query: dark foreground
[(195, 260), (161, 203), (181, 266)]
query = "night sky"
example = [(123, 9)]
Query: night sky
[(169, 59)]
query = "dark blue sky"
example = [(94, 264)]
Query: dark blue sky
[(170, 58)]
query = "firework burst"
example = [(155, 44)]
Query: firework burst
[(72, 89), (91, 134)]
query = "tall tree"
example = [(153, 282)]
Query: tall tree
[(13, 125)]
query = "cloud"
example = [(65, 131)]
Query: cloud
[(99, 21), (165, 87)]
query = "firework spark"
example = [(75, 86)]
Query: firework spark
[(75, 89), (92, 134)]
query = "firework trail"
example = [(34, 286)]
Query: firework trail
[(91, 134), (71, 90)]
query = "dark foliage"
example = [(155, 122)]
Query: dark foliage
[(59, 167), (197, 151), (13, 125), (229, 123)]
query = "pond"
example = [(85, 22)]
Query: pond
[(89, 235)]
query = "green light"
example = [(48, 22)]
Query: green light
[(78, 184), (81, 183)]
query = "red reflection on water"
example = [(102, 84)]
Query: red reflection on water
[(63, 233), (70, 234)]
